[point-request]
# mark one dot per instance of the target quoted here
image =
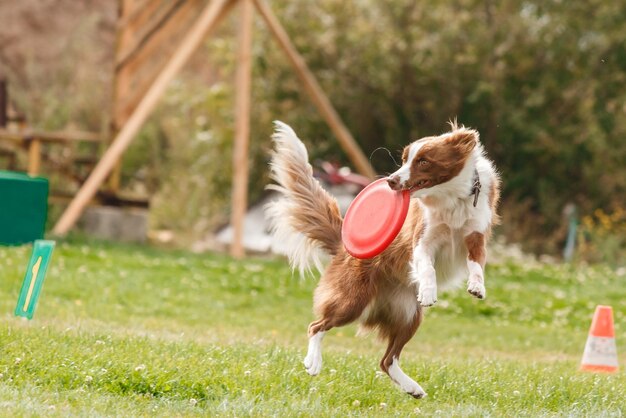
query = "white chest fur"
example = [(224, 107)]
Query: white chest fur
[(450, 216)]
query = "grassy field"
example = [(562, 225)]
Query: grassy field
[(130, 331)]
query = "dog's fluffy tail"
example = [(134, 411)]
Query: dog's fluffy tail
[(305, 220)]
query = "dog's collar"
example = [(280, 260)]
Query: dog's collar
[(475, 187)]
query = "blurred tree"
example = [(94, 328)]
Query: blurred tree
[(543, 81)]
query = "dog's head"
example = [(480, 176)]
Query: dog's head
[(434, 160)]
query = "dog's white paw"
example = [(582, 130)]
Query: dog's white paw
[(476, 281), (427, 295), (476, 288), (427, 289), (411, 387), (416, 391), (407, 384)]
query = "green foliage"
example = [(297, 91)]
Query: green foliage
[(602, 237), (123, 330), (542, 82), (538, 80), (197, 128)]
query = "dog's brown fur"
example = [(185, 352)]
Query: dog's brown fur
[(349, 285)]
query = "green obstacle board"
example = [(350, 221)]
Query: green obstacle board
[(23, 208), (33, 280)]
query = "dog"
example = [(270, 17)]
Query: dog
[(454, 193)]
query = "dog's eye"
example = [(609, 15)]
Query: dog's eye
[(422, 162)]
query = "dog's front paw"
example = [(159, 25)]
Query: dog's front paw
[(476, 288), (427, 296)]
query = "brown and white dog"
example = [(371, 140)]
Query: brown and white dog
[(454, 190)]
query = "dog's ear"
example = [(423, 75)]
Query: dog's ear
[(463, 139), (405, 154)]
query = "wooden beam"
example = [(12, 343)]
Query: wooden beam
[(243, 81), (129, 10), (133, 79), (59, 136), (210, 17), (34, 157), (157, 19), (4, 101), (316, 93)]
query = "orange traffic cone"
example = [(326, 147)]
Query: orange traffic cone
[(600, 351)]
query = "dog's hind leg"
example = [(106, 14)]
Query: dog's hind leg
[(313, 360), (339, 303), (399, 334)]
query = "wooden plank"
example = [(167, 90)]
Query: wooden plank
[(34, 157), (130, 10), (147, 36), (243, 81), (317, 95), (123, 38), (4, 101), (130, 7), (144, 25), (136, 75), (58, 136), (127, 9), (210, 17)]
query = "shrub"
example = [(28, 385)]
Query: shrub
[(602, 237)]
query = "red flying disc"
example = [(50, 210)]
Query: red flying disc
[(374, 219)]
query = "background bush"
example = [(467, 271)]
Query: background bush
[(542, 81)]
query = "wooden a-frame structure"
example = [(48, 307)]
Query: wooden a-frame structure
[(209, 18)]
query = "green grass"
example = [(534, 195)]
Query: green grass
[(130, 331)]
